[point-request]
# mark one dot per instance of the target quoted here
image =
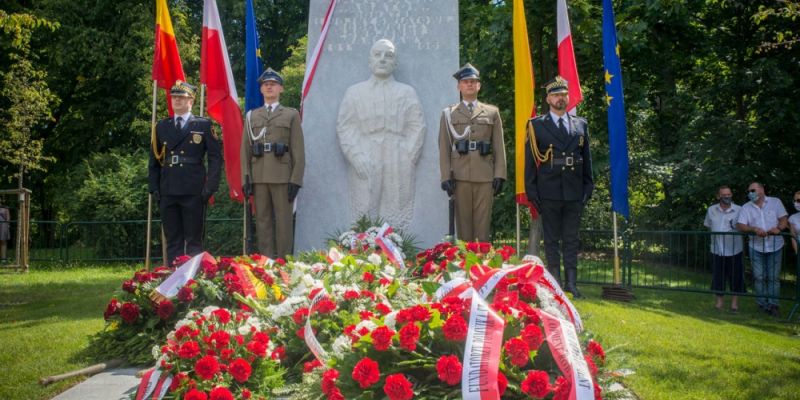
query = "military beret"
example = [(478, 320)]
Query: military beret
[(270, 75), (467, 72), (557, 85), (183, 89)]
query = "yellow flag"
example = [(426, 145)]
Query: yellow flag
[(524, 106)]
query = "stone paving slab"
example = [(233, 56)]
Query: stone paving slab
[(116, 384)]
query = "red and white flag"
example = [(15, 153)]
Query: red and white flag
[(567, 67), (222, 102)]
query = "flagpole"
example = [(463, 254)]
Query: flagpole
[(518, 229), (150, 195), (617, 274), (202, 98)]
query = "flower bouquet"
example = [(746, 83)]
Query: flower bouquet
[(216, 354), (137, 316)]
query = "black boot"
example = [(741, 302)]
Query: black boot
[(556, 272), (571, 286)]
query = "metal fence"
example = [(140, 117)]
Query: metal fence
[(670, 260)]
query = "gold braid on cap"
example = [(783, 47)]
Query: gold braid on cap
[(538, 156)]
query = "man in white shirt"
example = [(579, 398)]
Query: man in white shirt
[(726, 249), (764, 218), (794, 221)]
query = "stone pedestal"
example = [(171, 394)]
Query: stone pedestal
[(425, 34)]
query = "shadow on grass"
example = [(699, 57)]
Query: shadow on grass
[(668, 303)]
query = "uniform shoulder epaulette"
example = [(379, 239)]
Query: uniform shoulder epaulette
[(580, 119), (166, 120), (201, 119), (538, 117)]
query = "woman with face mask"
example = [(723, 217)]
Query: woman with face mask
[(794, 221)]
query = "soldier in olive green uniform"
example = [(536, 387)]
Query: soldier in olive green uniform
[(472, 157), (273, 160)]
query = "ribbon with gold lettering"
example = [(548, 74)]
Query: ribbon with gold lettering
[(562, 339)]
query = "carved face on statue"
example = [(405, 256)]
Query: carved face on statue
[(382, 59)]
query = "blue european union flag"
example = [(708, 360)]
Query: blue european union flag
[(617, 130), (253, 66)]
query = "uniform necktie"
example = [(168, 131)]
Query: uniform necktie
[(471, 107), (179, 123), (269, 110), (562, 126)]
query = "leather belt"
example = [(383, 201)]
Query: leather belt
[(566, 161), (270, 147), (184, 160)]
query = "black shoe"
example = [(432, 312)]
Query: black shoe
[(575, 292)]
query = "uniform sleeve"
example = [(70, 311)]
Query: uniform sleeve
[(297, 151), (444, 150), (588, 176), (214, 154), (531, 191), (499, 147), (244, 152), (154, 168)]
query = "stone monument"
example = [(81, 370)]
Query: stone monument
[(401, 154)]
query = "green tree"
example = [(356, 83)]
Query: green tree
[(25, 98)]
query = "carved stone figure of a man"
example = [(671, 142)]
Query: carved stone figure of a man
[(381, 129)]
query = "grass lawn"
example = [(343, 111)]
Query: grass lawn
[(45, 319), (677, 344), (681, 347)]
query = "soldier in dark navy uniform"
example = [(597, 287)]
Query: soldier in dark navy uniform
[(178, 176), (561, 184)]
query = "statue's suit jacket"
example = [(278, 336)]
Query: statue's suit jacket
[(554, 179)]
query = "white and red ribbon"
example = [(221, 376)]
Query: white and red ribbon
[(311, 67), (308, 332), (170, 287), (393, 253), (153, 382), (563, 343), (547, 281), (482, 353)]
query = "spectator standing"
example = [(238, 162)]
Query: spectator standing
[(764, 218), (726, 249), (5, 231), (794, 221)]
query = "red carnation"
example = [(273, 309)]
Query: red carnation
[(328, 382), (383, 308), (590, 363), (472, 247), (397, 387), (299, 316), (246, 394), (528, 291), (194, 394), (455, 328), (219, 339), (209, 268), (165, 309), (240, 370), (382, 338), (111, 309), (420, 313), (262, 337), (326, 306), (279, 353), (129, 312), (368, 277), (180, 260), (532, 335), (220, 393), (335, 394), (502, 383), (257, 348), (206, 367), (409, 335), (223, 315), (186, 294), (309, 366), (517, 351), (365, 315), (536, 384), (596, 350), (351, 295), (598, 392), (449, 370), (562, 389), (484, 247), (129, 286), (189, 349), (280, 261), (366, 372)]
